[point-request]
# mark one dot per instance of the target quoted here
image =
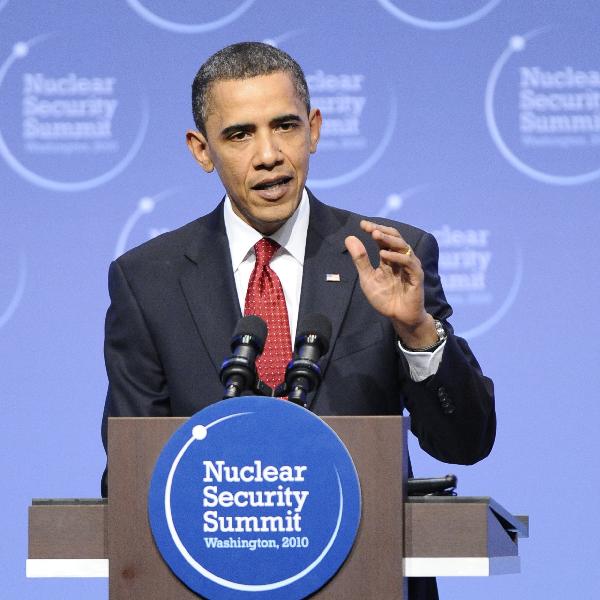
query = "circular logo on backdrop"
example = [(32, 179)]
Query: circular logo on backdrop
[(135, 231), (359, 107), (187, 16), (480, 262), (254, 497), (439, 15), (169, 209), (69, 120), (542, 106), (13, 274)]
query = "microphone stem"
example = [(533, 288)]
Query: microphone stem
[(231, 391), (298, 392)]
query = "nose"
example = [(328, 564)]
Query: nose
[(268, 153)]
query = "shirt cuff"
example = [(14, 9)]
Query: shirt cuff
[(423, 364)]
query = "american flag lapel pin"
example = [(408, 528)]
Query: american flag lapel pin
[(332, 277)]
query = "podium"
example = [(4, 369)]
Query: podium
[(397, 538)]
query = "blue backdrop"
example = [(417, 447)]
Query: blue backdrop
[(478, 120)]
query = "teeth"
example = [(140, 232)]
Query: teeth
[(280, 182), (266, 186)]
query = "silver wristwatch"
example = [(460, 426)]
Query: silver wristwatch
[(442, 335)]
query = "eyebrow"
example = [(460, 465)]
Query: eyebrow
[(285, 119), (249, 127)]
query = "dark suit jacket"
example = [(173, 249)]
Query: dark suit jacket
[(174, 307)]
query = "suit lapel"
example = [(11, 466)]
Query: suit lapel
[(209, 287), (326, 255)]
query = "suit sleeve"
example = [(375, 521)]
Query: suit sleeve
[(136, 382), (452, 412)]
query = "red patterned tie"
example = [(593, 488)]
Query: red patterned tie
[(265, 298)]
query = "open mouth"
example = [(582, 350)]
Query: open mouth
[(271, 183)]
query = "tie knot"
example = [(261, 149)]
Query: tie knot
[(264, 250)]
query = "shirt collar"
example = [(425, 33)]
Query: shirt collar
[(291, 236)]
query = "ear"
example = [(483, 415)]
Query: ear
[(198, 145), (315, 120)]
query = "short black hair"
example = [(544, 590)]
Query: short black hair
[(242, 61)]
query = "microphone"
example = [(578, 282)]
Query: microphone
[(238, 372), (303, 374)]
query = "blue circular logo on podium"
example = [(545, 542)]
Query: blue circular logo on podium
[(254, 497)]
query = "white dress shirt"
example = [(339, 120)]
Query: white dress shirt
[(288, 263)]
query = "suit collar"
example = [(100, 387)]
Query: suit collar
[(209, 233)]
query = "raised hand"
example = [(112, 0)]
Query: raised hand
[(394, 288)]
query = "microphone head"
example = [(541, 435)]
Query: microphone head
[(252, 326), (318, 325)]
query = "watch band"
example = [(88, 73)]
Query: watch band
[(442, 335)]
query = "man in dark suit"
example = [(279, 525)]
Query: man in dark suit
[(175, 300)]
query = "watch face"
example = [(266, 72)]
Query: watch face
[(440, 331)]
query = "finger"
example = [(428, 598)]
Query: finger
[(358, 253), (409, 273), (386, 237), (370, 227), (388, 241), (408, 262)]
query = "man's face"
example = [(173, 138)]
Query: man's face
[(258, 138)]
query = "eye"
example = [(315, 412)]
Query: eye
[(287, 126), (239, 136)]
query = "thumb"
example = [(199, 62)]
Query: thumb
[(359, 254)]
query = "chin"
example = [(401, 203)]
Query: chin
[(271, 226), (280, 213), (268, 224)]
